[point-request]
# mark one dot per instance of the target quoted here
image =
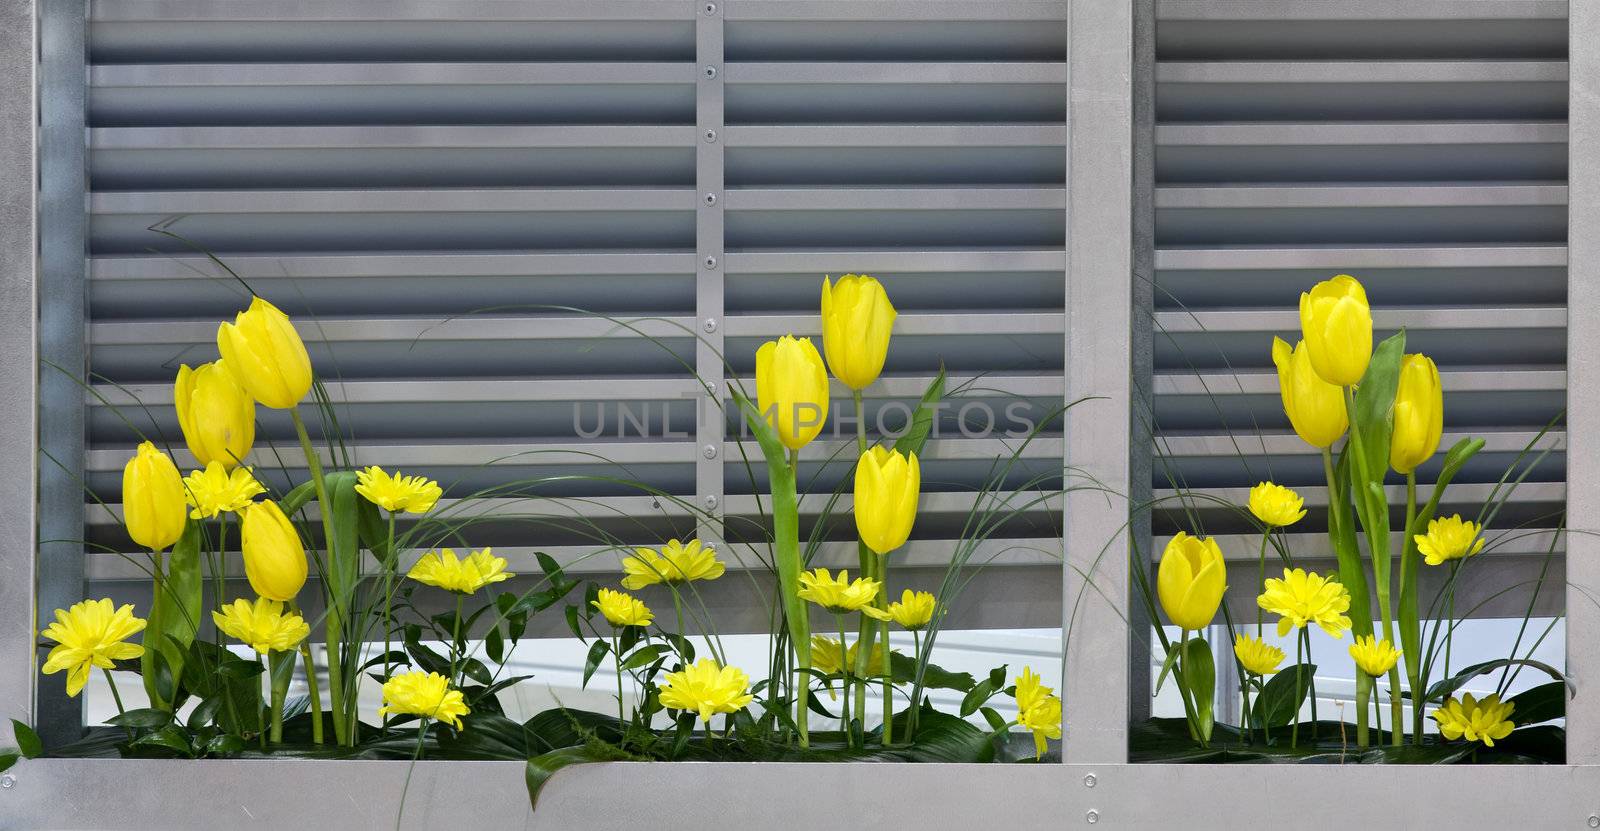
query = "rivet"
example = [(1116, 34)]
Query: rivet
[(711, 262), (711, 135), (710, 72), (710, 325), (1594, 819), (711, 388), (711, 199), (711, 502), (1088, 781), (8, 781), (1092, 817), (711, 8), (710, 451)]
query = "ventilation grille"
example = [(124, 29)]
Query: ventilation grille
[(425, 185), (1420, 146)]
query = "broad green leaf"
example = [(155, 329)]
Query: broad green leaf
[(543, 766), (597, 653), (169, 737), (204, 713), (297, 498), (1200, 677), (373, 530), (7, 760), (1446, 687), (1538, 704), (560, 727), (1374, 409), (646, 655), (976, 697), (996, 721), (344, 558), (1281, 698), (174, 616), (142, 718), (27, 740), (494, 644), (934, 676)]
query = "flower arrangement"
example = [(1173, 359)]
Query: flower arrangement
[(210, 698), (1387, 407)]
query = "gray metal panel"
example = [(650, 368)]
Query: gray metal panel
[(712, 201)]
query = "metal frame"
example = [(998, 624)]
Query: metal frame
[(1094, 786)]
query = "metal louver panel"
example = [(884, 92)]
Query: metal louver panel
[(1420, 146), (423, 185)]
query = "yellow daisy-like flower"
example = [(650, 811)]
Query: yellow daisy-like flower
[(1276, 505), (840, 595), (425, 694), (825, 656), (91, 634), (1302, 599), (675, 563), (1373, 656), (1038, 709), (1450, 538), (1256, 656), (217, 490), (262, 624), (912, 611), (622, 609), (1485, 721), (441, 568), (397, 493), (707, 688)]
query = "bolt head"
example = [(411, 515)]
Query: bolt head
[(711, 8), (1089, 781), (711, 262), (8, 781), (710, 451), (711, 136), (1594, 820), (709, 72), (711, 501), (710, 325), (1092, 817), (711, 199)]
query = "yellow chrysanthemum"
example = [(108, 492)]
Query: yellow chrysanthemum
[(1276, 505), (912, 611), (840, 595), (707, 688), (1373, 656), (1038, 709), (622, 609), (263, 625), (217, 490), (675, 563), (441, 568), (1450, 538), (1256, 656), (397, 493), (425, 694), (825, 656), (1302, 598), (1485, 721), (91, 634)]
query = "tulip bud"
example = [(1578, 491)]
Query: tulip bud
[(1418, 414), (887, 487), (856, 319), (1191, 581), (217, 416), (792, 389), (1315, 407), (264, 352), (1337, 324), (153, 503), (274, 557)]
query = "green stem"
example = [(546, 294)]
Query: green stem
[(457, 648), (786, 539), (1363, 695), (1336, 520), (911, 708), (280, 691), (1261, 579), (1294, 733), (616, 652), (334, 620), (388, 596), (845, 722), (1190, 713), (311, 682), (867, 560), (115, 696)]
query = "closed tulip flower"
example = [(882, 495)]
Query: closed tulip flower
[(887, 487), (217, 416), (154, 505), (264, 352), (1314, 406), (1191, 581), (792, 389), (856, 319), (274, 557), (1418, 414), (1337, 324)]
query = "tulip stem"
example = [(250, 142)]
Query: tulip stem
[(845, 721), (1294, 733), (616, 652), (1261, 580), (315, 694), (334, 620), (280, 691)]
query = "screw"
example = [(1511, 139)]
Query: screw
[(711, 136), (710, 324), (711, 262), (1088, 781), (1092, 817), (1594, 819), (711, 388), (710, 451), (8, 781), (711, 8), (711, 199), (711, 503), (710, 72)]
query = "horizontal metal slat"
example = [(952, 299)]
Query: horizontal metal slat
[(375, 10), (907, 10)]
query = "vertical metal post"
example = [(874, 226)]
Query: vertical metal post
[(18, 387), (1583, 383), (1142, 404), (1099, 276), (709, 431), (63, 349)]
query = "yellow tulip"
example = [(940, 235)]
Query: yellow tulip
[(217, 416), (1418, 414), (792, 389), (887, 487), (1315, 407), (1337, 324), (154, 505), (274, 557), (856, 319), (1191, 581), (264, 352)]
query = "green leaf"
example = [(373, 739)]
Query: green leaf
[(543, 766), (27, 740), (997, 676), (934, 676), (7, 760), (976, 697), (996, 721), (169, 737), (1281, 698), (645, 655), (1446, 687), (373, 529), (1542, 703), (344, 557), (494, 645), (1166, 668), (144, 718), (561, 727), (174, 615), (226, 744), (1374, 410), (597, 653), (474, 669), (549, 566), (916, 434), (297, 497), (204, 713), (1409, 623), (1200, 677)]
